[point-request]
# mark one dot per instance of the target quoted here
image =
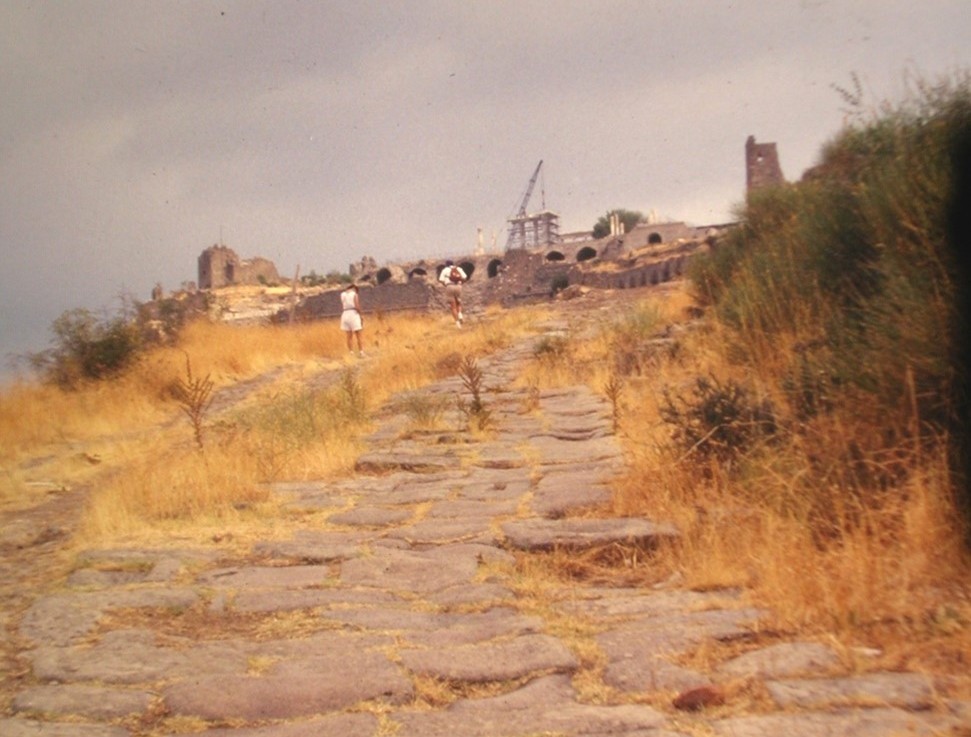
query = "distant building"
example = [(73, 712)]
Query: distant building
[(219, 266), (534, 230), (761, 166)]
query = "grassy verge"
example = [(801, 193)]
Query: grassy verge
[(840, 538), (299, 410), (803, 436)]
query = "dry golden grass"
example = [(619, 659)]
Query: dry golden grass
[(36, 415), (129, 439), (888, 570)]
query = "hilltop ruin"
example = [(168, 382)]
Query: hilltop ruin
[(529, 268)]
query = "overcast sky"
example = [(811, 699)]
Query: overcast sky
[(133, 135)]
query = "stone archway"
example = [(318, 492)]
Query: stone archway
[(655, 239), (586, 253), (383, 275), (555, 256), (492, 270), (416, 273)]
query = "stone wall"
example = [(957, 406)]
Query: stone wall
[(415, 295), (633, 260), (644, 275), (219, 266)]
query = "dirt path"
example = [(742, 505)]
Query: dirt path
[(406, 601)]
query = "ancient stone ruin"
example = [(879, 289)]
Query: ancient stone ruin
[(650, 254), (219, 266), (529, 268), (761, 166)]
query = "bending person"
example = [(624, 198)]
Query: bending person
[(453, 278)]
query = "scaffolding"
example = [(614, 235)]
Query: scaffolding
[(534, 230)]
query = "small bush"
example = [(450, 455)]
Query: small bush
[(635, 343), (194, 395), (423, 411), (552, 349), (475, 411), (717, 420), (87, 348)]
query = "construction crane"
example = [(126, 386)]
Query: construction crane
[(529, 190), (517, 223)]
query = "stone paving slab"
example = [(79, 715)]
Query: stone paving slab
[(473, 509), (338, 725), (537, 534), (471, 595), (418, 462), (484, 662), (495, 485), (32, 728), (850, 723), (520, 427), (640, 652), (62, 618), (607, 604), (571, 489), (544, 706), (133, 657), (91, 702), (450, 530), (372, 516), (782, 660), (304, 687), (908, 690), (268, 577), (437, 629), (501, 455), (554, 451), (91, 578), (418, 571), (271, 600), (314, 547)]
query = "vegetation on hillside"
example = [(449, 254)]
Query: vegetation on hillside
[(842, 291), (802, 436), (168, 447), (629, 218)]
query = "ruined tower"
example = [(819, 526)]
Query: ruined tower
[(761, 165), (219, 266)]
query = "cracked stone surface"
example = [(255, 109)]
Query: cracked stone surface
[(406, 574)]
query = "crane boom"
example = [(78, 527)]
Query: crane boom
[(529, 189)]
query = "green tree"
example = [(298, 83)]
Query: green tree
[(629, 218), (86, 347)]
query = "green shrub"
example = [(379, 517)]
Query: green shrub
[(475, 411), (635, 343), (717, 420), (552, 349), (86, 347), (856, 257)]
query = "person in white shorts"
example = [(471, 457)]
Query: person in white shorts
[(352, 323), (453, 277)]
